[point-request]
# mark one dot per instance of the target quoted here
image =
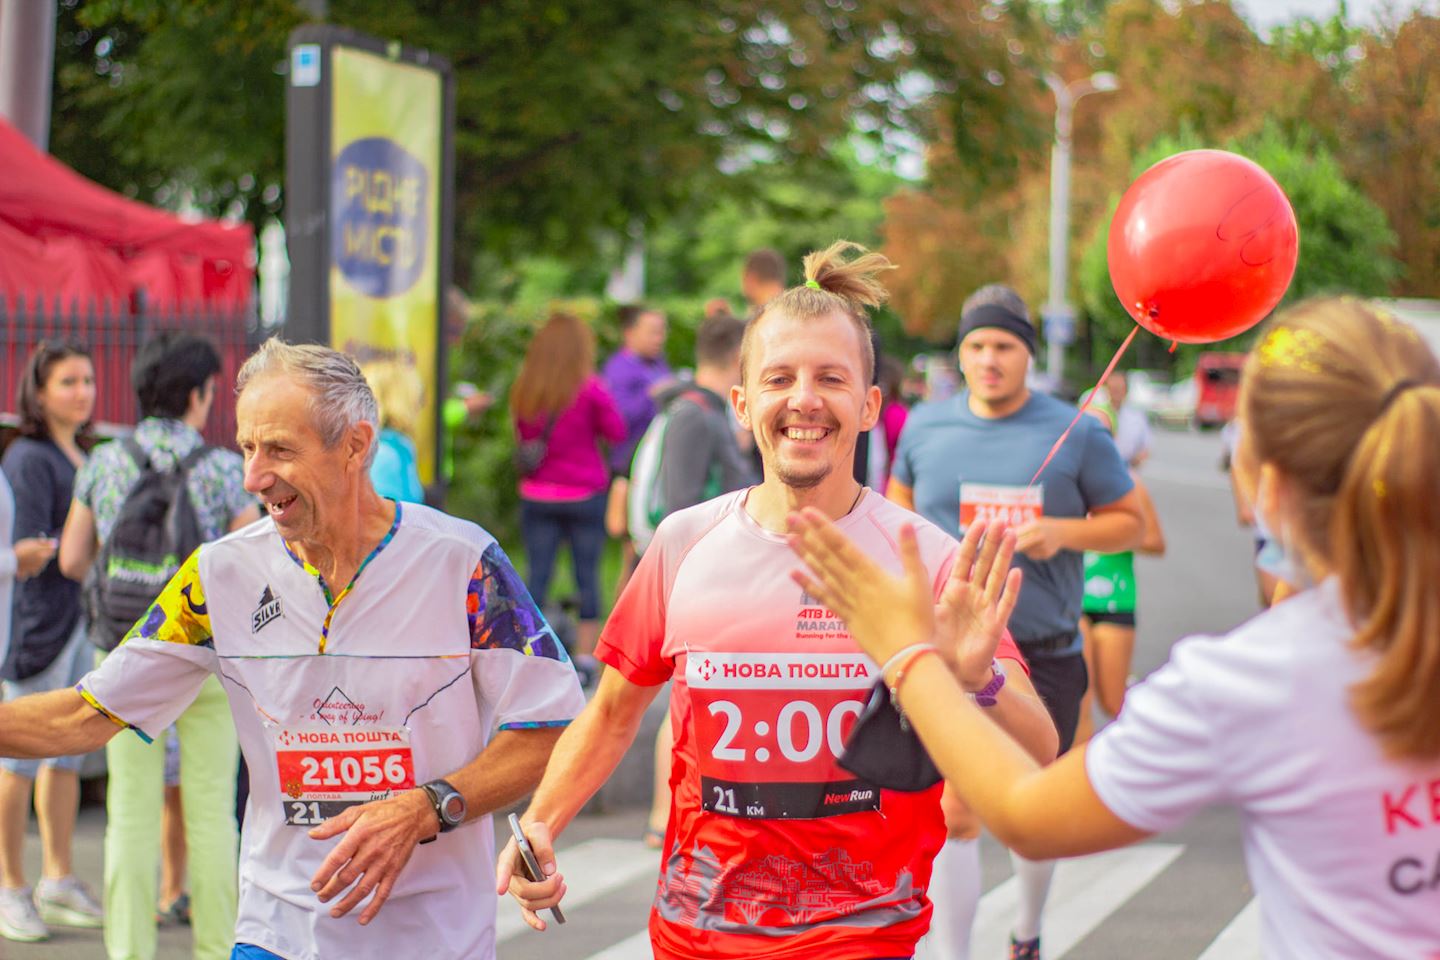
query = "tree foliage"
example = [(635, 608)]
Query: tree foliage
[(574, 120), (1392, 134), (1337, 107)]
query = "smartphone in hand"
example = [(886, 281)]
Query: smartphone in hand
[(527, 859)]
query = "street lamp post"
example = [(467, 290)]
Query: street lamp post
[(1058, 315)]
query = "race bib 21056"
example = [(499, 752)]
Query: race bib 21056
[(324, 771)]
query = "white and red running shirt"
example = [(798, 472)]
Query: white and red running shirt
[(772, 849)]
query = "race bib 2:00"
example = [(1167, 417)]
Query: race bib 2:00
[(771, 728)]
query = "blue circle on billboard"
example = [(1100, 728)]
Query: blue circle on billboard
[(380, 216)]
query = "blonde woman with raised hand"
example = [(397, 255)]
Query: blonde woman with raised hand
[(1319, 719)]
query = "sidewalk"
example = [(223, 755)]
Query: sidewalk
[(69, 943)]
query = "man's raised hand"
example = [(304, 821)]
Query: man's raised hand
[(976, 602)]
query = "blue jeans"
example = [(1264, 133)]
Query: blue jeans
[(544, 526)]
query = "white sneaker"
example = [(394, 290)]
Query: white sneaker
[(67, 903), (18, 919)]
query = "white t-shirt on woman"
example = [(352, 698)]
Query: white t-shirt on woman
[(1342, 845)]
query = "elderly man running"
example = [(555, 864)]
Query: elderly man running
[(390, 678)]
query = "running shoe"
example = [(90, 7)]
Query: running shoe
[(177, 914), (18, 919), (67, 903), (1024, 949)]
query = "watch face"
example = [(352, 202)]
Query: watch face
[(453, 808)]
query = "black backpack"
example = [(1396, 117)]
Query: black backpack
[(157, 529)]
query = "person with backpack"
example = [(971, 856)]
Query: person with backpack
[(690, 453), (142, 506)]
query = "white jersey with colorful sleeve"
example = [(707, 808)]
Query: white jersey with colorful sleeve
[(402, 677), (773, 849)]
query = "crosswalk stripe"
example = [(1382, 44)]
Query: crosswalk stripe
[(1084, 893), (633, 947), (1240, 940), (591, 869)]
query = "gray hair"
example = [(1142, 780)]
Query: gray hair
[(340, 395), (998, 295)]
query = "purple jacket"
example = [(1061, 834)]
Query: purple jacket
[(630, 377), (573, 468)]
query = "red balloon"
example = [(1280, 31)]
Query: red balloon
[(1203, 246)]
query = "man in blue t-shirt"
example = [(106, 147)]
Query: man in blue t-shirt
[(973, 456)]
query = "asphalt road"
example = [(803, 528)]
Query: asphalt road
[(1180, 896)]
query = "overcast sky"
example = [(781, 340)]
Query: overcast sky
[(1268, 13)]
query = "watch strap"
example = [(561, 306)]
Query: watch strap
[(439, 792), (986, 695)]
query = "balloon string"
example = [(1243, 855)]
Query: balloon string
[(1085, 405)]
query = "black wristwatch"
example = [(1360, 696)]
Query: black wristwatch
[(448, 802)]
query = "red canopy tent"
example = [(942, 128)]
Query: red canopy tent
[(68, 238), (81, 262)]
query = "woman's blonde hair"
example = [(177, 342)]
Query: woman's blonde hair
[(832, 283), (398, 391), (1345, 401), (560, 358)]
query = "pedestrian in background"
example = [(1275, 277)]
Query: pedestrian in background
[(762, 279), (1131, 428), (974, 457), (893, 410), (19, 559), (48, 649), (175, 377), (400, 394), (563, 414), (636, 375)]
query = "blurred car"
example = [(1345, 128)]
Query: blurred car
[(1176, 409), (1147, 390), (1217, 379)]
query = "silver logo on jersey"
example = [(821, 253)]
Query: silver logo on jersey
[(269, 609)]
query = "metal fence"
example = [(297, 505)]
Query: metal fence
[(112, 333)]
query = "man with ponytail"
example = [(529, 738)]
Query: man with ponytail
[(773, 848), (1319, 719)]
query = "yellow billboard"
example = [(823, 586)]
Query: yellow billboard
[(385, 196)]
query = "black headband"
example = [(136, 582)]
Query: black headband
[(1394, 392), (994, 315)]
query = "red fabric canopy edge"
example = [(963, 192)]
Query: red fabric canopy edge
[(64, 236)]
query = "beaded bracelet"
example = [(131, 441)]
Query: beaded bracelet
[(907, 658)]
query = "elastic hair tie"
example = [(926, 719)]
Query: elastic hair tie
[(1393, 394), (813, 285)]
